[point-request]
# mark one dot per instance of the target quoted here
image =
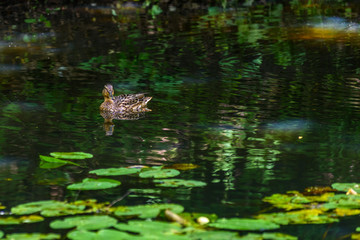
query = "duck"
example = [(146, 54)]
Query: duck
[(125, 103)]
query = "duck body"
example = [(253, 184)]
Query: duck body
[(126, 103)]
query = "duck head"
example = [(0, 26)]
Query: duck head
[(108, 91)]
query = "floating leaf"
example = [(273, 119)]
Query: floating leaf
[(286, 201), (84, 222), (32, 236), (306, 216), (215, 235), (31, 219), (94, 184), (179, 183), (268, 236), (115, 171), (48, 165), (321, 198), (159, 173), (147, 211), (55, 161), (48, 208), (346, 212), (33, 207), (343, 201), (9, 221), (149, 227), (1, 234), (103, 234), (71, 155), (344, 187), (244, 224)]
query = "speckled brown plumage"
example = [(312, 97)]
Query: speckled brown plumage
[(133, 103)]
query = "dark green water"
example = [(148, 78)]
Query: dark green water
[(264, 99)]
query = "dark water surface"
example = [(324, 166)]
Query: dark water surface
[(264, 99)]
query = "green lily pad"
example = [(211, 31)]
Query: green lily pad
[(32, 236), (147, 228), (215, 235), (286, 201), (48, 165), (115, 171), (1, 234), (48, 208), (84, 222), (343, 201), (159, 173), (103, 234), (94, 184), (344, 187), (71, 155), (305, 216), (23, 219), (178, 183), (268, 236), (147, 211), (53, 162), (244, 224), (9, 221)]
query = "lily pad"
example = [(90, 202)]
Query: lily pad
[(159, 173), (84, 222), (50, 162), (94, 184), (48, 208), (103, 234), (1, 234), (286, 201), (268, 236), (48, 165), (9, 221), (71, 155), (215, 235), (115, 171), (178, 183), (305, 216), (343, 201), (244, 224), (23, 219), (341, 212), (150, 227), (32, 236), (344, 187), (147, 211)]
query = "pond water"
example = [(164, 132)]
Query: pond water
[(264, 99)]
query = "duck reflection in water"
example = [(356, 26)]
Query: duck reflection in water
[(122, 107)]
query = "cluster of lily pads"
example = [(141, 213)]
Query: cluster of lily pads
[(88, 219)]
